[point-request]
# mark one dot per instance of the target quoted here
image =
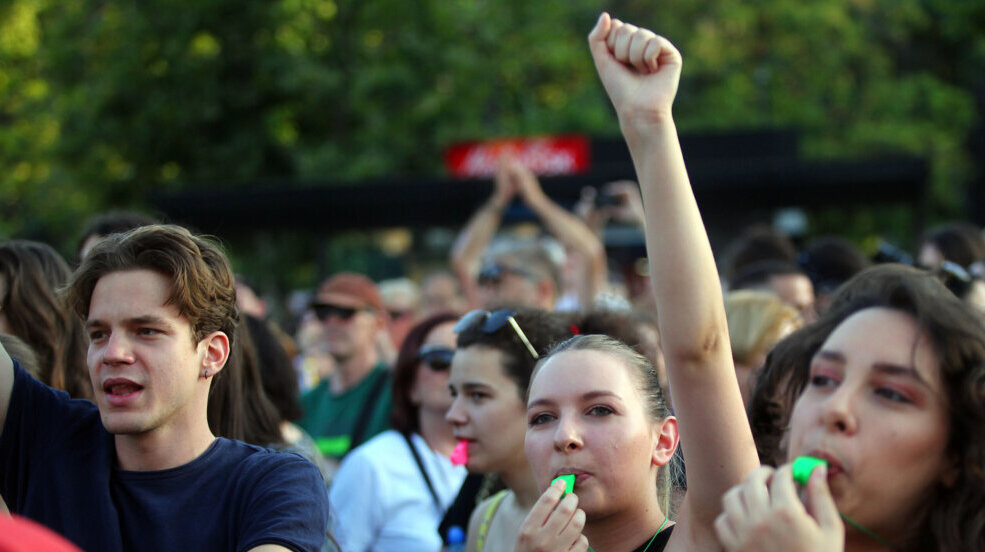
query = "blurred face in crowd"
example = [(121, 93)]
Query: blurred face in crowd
[(430, 391), (930, 256), (797, 291), (441, 293), (349, 326), (586, 417), (504, 284), (874, 408), (487, 411), (88, 244), (145, 366)]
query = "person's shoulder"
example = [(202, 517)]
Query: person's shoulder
[(382, 443), (376, 453), (256, 461), (39, 398)]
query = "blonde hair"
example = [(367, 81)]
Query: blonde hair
[(756, 320)]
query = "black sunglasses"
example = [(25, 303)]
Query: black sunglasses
[(438, 357), (492, 322), (493, 273), (325, 310)]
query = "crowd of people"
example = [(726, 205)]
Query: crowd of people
[(148, 401)]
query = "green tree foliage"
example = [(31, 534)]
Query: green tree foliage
[(105, 101)]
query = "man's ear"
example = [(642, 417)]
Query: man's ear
[(665, 442), (216, 347)]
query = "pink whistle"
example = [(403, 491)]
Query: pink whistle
[(460, 456)]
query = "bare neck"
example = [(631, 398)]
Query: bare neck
[(162, 449), (624, 531), (350, 371), (436, 432), (520, 480)]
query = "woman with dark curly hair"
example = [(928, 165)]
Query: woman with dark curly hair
[(889, 388), (30, 275), (391, 492)]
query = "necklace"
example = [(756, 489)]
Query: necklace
[(666, 518)]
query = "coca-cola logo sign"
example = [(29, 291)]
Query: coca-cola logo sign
[(544, 155)]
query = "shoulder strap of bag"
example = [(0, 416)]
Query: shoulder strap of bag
[(424, 473)]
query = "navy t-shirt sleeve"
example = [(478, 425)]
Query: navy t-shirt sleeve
[(288, 505), (40, 423)]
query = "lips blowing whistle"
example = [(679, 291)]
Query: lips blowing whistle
[(460, 456), (803, 466), (569, 483)]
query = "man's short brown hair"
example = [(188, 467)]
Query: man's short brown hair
[(202, 284)]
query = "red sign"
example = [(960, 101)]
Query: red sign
[(545, 155)]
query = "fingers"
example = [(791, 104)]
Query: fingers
[(632, 45), (600, 32), (644, 41), (580, 545), (820, 503), (545, 504), (783, 490), (597, 38), (554, 523), (726, 533)]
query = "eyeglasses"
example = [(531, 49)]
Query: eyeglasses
[(493, 273), (325, 310), (438, 357), (492, 322)]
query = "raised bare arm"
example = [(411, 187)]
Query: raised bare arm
[(640, 71)]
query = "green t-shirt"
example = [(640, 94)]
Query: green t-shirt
[(331, 419)]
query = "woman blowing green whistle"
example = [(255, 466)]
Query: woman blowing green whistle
[(594, 408)]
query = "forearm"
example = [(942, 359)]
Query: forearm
[(685, 279), (693, 326), (466, 253), (576, 236)]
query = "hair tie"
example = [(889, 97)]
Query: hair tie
[(574, 330)]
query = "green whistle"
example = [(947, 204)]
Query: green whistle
[(569, 482), (803, 466)]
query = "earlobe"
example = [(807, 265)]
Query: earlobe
[(666, 440)]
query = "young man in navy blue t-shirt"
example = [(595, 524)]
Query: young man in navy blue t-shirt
[(140, 469)]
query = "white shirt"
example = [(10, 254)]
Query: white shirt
[(381, 500)]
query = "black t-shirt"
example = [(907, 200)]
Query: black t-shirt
[(57, 467)]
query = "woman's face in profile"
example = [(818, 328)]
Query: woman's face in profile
[(486, 410), (874, 408)]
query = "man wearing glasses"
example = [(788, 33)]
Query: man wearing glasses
[(351, 406), (525, 272)]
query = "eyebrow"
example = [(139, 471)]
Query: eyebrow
[(472, 386), (135, 321), (591, 395), (881, 367)]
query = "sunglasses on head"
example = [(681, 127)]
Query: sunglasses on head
[(956, 278), (323, 311), (493, 273), (491, 322), (438, 357)]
